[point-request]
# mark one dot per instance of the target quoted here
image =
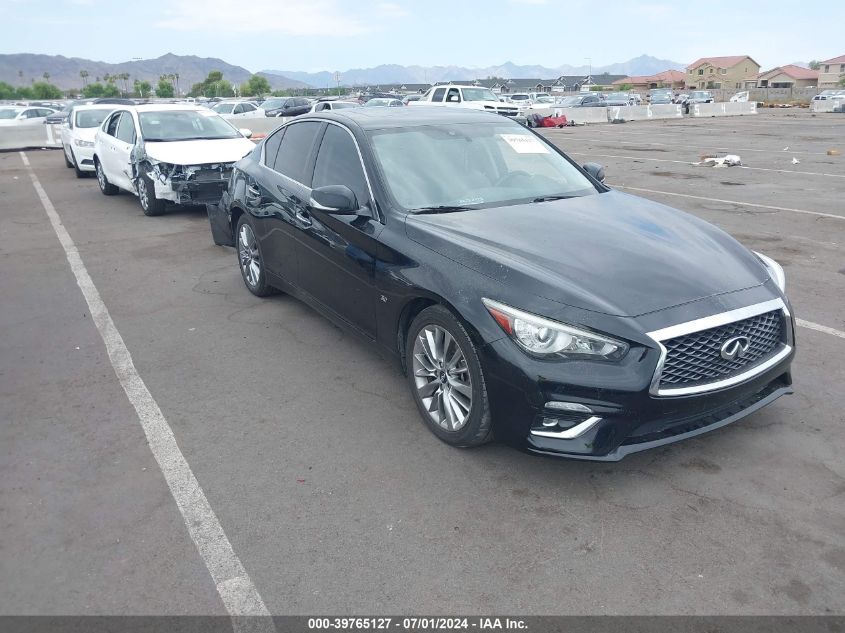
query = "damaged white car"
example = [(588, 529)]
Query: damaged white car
[(178, 153)]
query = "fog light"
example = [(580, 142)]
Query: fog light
[(569, 406)]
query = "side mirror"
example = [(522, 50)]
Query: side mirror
[(595, 170), (245, 132), (335, 199)]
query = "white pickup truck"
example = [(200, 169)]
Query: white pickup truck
[(472, 97)]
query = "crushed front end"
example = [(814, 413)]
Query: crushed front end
[(188, 184)]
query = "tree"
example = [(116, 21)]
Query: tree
[(46, 77), (20, 75), (143, 88), (44, 90), (7, 91), (94, 90), (164, 89), (842, 81), (110, 90), (213, 77), (815, 65), (24, 92), (255, 85), (626, 87), (84, 75)]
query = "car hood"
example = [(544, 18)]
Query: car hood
[(611, 253), (200, 152)]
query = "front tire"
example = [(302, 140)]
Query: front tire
[(68, 162), (250, 262), (151, 205), (106, 187), (446, 379)]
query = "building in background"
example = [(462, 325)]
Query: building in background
[(674, 79), (734, 72), (831, 72), (789, 76)]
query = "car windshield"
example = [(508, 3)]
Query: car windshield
[(273, 104), (479, 94), (477, 165), (184, 125), (519, 97), (617, 96), (377, 102), (9, 113), (570, 101), (545, 99), (700, 94), (339, 105), (224, 108)]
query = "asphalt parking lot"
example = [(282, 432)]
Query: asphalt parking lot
[(307, 445)]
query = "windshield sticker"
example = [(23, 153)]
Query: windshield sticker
[(524, 143)]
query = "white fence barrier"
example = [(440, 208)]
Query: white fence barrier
[(30, 136), (645, 112), (722, 109), (827, 105)]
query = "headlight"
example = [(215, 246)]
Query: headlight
[(542, 337), (775, 270), (80, 143)]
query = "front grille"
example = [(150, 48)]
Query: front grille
[(508, 111), (696, 358)]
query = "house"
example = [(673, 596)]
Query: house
[(674, 79), (789, 76), (734, 72), (831, 72)]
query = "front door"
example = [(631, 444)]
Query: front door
[(337, 255)]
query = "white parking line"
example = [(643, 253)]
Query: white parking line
[(240, 597), (773, 152), (819, 328), (686, 162), (745, 204)]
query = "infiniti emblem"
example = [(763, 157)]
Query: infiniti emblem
[(735, 348)]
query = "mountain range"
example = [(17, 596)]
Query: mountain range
[(393, 73), (64, 71), (19, 68)]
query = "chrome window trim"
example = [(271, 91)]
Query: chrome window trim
[(570, 434), (705, 323), (357, 148)]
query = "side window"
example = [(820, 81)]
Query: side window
[(295, 150), (454, 96), (338, 163), (438, 95), (271, 147), (248, 107), (126, 129), (320, 107), (111, 128), (238, 109)]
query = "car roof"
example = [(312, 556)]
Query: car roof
[(410, 116), (96, 106), (162, 107)]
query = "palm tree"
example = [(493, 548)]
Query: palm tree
[(46, 76), (20, 75), (176, 75), (84, 75)]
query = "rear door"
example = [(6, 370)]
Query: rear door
[(106, 149), (279, 193), (338, 252), (124, 140)]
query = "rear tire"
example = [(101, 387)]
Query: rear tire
[(106, 187), (446, 379), (250, 261), (151, 205)]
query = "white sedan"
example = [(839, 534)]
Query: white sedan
[(178, 153), (238, 109), (78, 132), (20, 115), (325, 106)]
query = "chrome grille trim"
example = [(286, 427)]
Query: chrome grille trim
[(713, 321)]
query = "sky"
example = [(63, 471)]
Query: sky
[(314, 35)]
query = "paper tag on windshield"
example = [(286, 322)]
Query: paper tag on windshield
[(525, 143)]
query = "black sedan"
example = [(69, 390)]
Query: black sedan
[(286, 106), (521, 296)]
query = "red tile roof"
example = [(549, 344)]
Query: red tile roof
[(796, 72), (667, 76), (720, 62), (835, 60)]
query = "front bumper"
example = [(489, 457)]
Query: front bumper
[(621, 415), (193, 185), (84, 157)]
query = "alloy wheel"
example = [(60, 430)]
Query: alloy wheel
[(442, 377), (101, 177), (249, 256), (143, 194)]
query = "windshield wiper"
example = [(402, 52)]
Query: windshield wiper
[(550, 198), (443, 208)]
